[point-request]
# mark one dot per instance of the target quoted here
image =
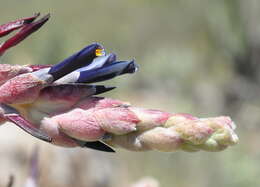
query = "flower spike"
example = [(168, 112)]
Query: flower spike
[(55, 103)]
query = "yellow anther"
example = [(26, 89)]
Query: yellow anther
[(100, 52)]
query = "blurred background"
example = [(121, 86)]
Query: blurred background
[(200, 57)]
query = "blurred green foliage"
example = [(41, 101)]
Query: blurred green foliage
[(193, 58)]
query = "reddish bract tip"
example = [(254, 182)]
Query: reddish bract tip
[(38, 67), (7, 28), (27, 29)]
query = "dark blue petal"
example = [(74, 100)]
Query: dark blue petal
[(82, 58), (99, 62), (112, 58), (106, 72)]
